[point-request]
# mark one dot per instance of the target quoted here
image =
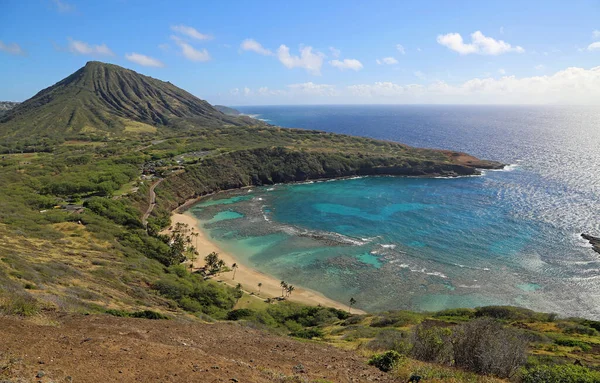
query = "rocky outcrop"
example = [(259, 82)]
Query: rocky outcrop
[(595, 241)]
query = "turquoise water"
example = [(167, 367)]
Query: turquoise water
[(507, 237)]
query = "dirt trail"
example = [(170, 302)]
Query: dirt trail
[(152, 195), (101, 348)]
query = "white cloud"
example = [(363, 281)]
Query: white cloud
[(13, 49), (388, 61), (255, 46), (502, 71), (572, 86), (83, 48), (594, 46), (335, 52), (164, 47), (312, 89), (596, 34), (144, 60), (347, 64), (63, 7), (190, 52), (190, 32), (480, 44), (569, 86), (400, 49), (539, 67), (308, 60), (420, 75)]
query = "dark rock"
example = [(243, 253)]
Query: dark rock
[(234, 380), (40, 374), (595, 241)]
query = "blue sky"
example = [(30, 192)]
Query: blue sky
[(315, 52)]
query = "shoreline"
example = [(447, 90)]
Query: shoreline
[(247, 276)]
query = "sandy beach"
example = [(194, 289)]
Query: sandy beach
[(248, 277)]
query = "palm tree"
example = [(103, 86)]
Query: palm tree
[(352, 303), (196, 235), (234, 268), (283, 287), (289, 289), (259, 286)]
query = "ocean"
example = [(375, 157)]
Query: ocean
[(508, 237)]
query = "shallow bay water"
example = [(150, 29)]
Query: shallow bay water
[(506, 237)]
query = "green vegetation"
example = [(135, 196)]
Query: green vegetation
[(560, 374), (72, 239), (386, 361)]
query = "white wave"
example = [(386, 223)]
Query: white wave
[(331, 236), (270, 189), (582, 242), (390, 246), (432, 273), (437, 274), (470, 287), (506, 168)]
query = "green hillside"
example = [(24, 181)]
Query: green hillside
[(73, 238), (107, 101)]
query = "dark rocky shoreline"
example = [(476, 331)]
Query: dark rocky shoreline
[(595, 241)]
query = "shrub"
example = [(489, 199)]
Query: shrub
[(19, 304), (578, 329), (560, 374), (308, 333), (485, 346), (239, 314), (145, 314), (390, 339), (396, 319), (386, 361), (431, 343), (148, 314), (573, 343)]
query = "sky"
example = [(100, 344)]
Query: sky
[(315, 52)]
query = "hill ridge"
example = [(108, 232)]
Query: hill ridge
[(103, 99)]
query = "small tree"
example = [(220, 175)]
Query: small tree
[(289, 290), (259, 286), (283, 288), (352, 303), (234, 268)]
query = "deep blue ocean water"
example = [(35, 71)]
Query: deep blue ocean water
[(507, 237)]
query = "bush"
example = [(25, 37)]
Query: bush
[(396, 319), (573, 343), (145, 314), (560, 374), (308, 333), (148, 314), (386, 361), (19, 304), (239, 314), (390, 339), (431, 343), (486, 347)]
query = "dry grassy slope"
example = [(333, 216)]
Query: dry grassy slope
[(75, 272), (108, 349)]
